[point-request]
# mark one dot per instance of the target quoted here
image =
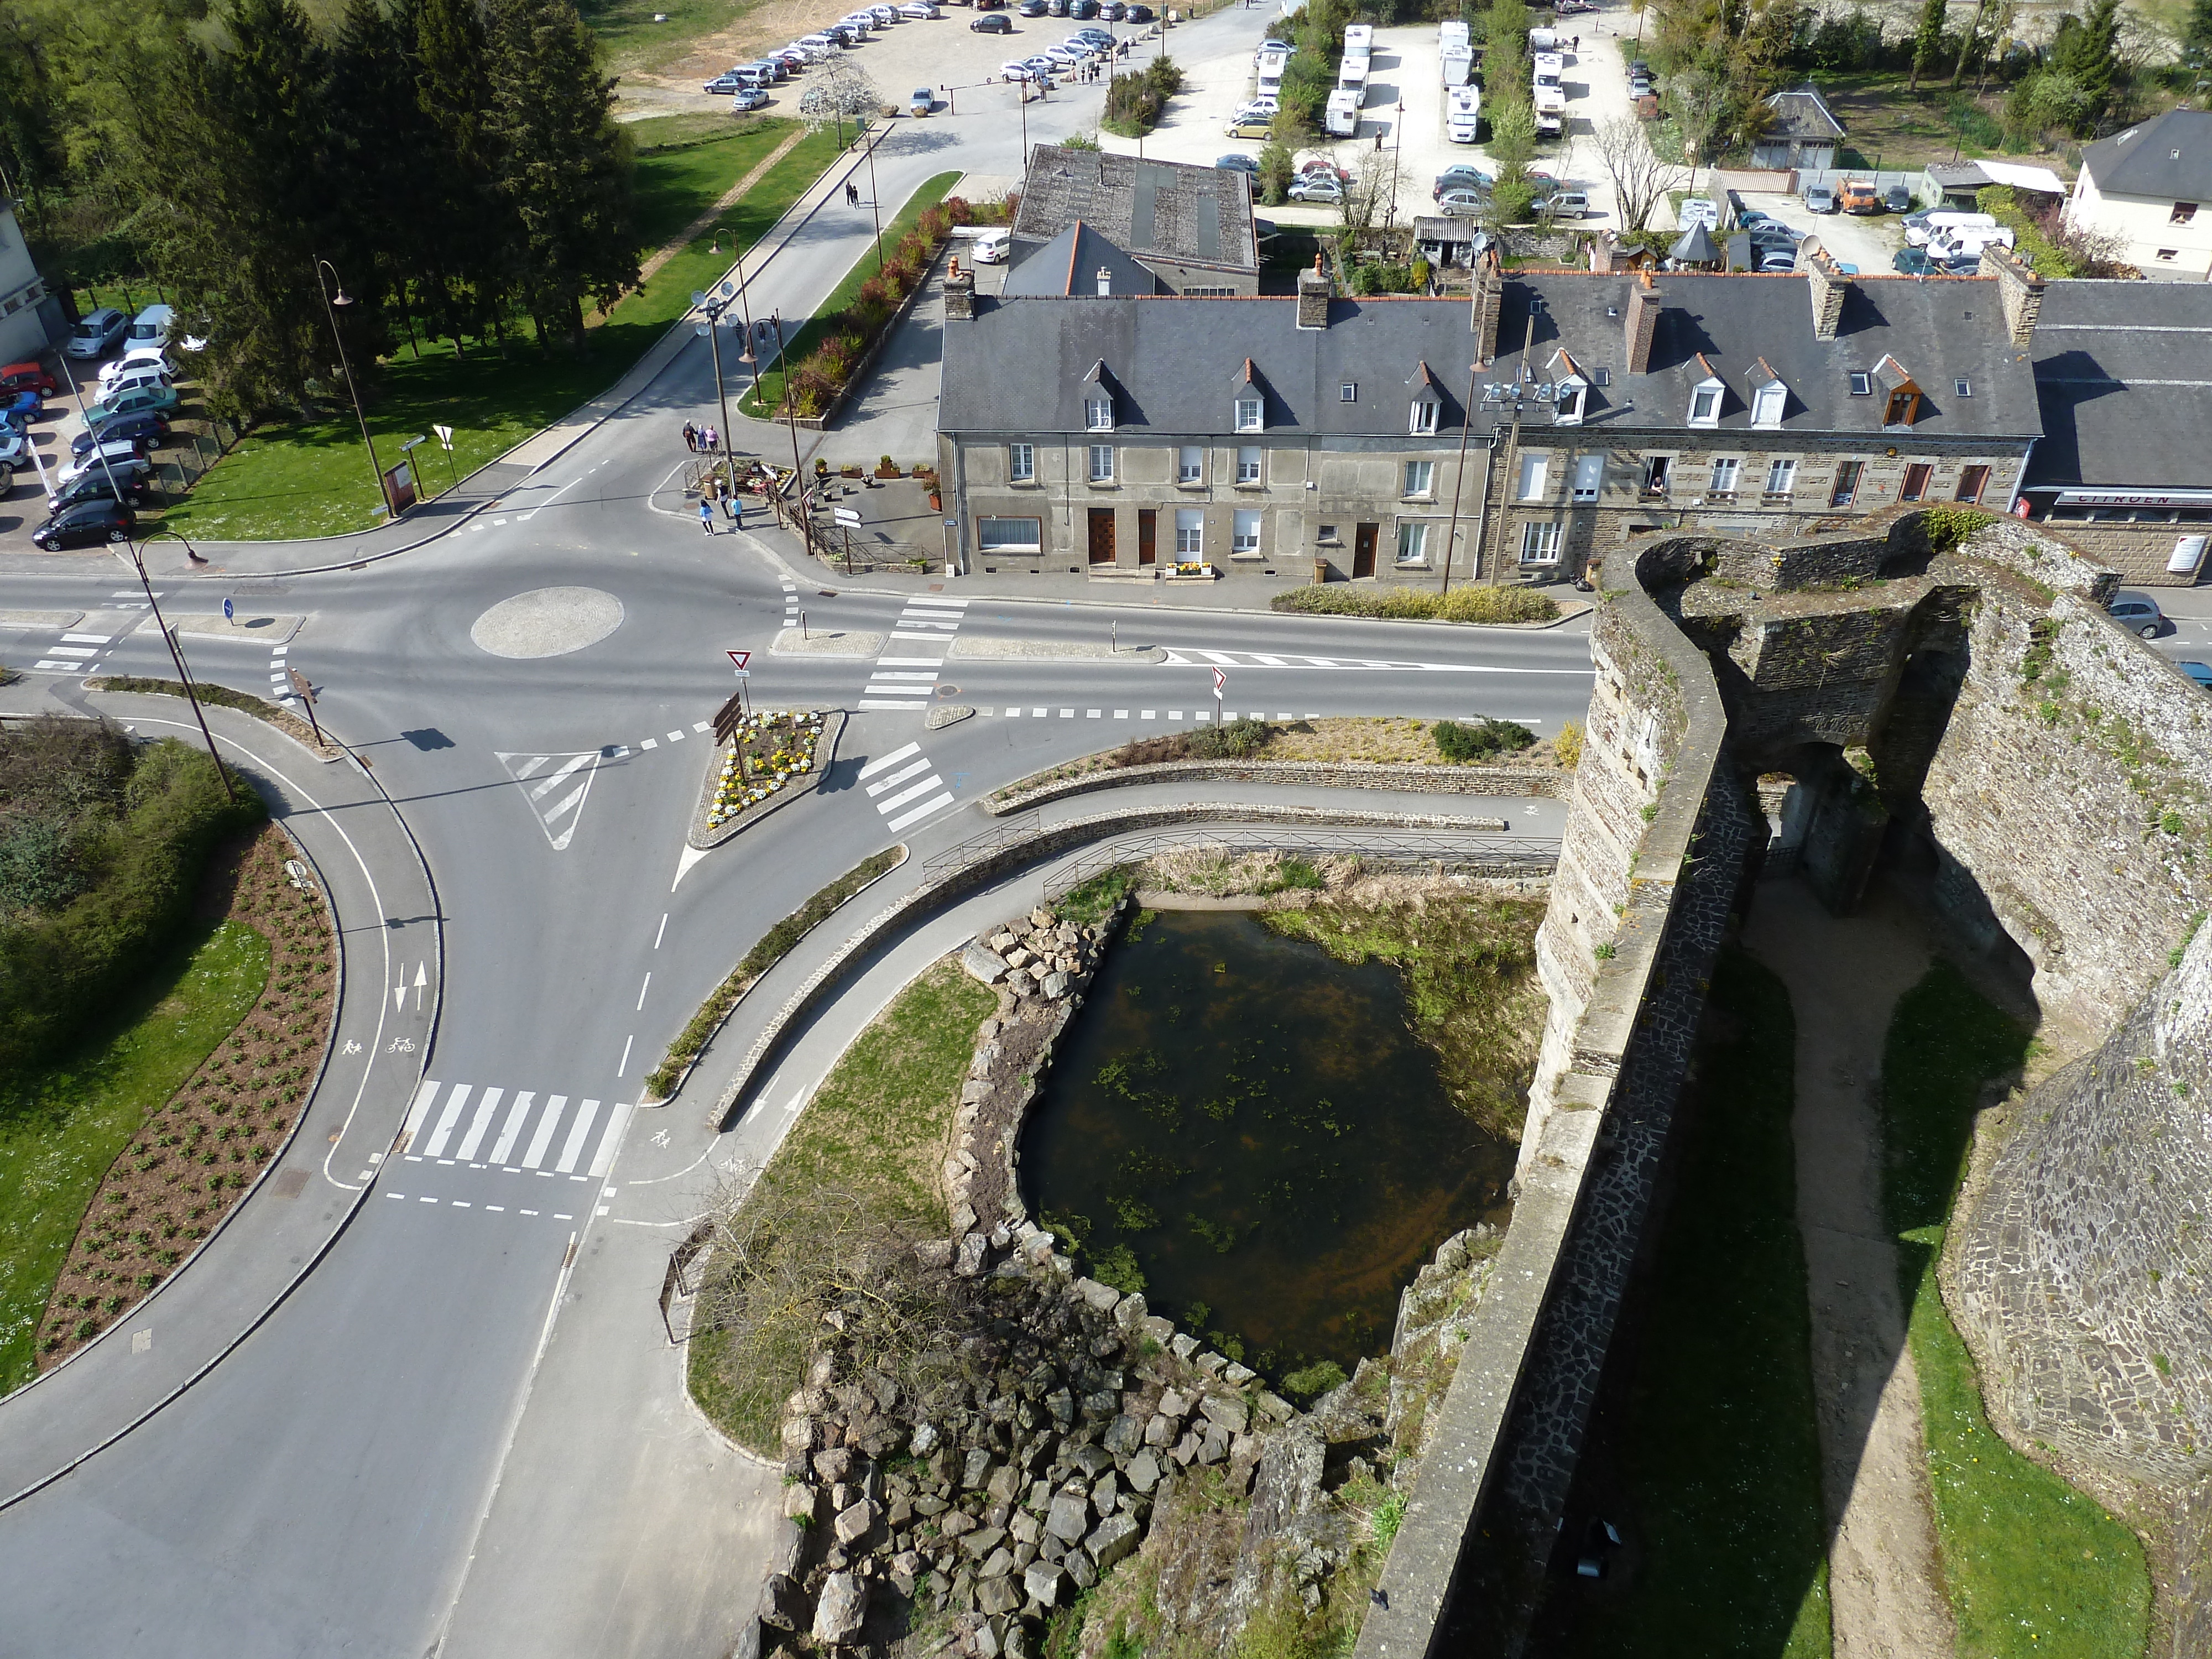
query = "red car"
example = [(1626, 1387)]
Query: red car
[(27, 377)]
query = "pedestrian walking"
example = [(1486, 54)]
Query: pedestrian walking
[(1578, 43), (730, 503), (706, 515), (852, 194), (712, 442), (690, 437)]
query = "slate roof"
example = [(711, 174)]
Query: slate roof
[(2168, 158), (1161, 209), (2124, 373), (1802, 114), (1069, 265), (1018, 366)]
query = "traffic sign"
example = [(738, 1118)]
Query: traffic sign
[(1220, 682), (846, 515), (745, 673), (741, 657), (445, 436), (227, 612)]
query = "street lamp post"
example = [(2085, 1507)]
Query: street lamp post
[(177, 654), (875, 202), (331, 310), (791, 415)]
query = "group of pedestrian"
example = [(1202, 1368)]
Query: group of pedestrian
[(700, 439), (719, 490), (852, 194)]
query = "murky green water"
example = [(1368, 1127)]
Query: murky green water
[(1255, 1122)]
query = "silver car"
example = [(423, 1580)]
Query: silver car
[(1463, 203), (2139, 613)]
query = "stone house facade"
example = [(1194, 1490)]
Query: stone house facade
[(1320, 437)]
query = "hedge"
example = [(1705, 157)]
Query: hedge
[(62, 967), (1473, 604)]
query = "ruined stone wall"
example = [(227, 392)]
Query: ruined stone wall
[(2071, 791)]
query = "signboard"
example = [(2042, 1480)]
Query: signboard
[(2135, 498), (445, 437), (740, 658), (229, 612), (1220, 682), (846, 515), (399, 488)]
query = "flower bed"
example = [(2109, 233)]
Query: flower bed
[(769, 754)]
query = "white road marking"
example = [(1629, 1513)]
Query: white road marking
[(922, 810), (891, 759), (454, 1101), (573, 1148), (479, 1124), (611, 1142), (640, 993), (543, 1138), (932, 782), (517, 1115), (900, 777)]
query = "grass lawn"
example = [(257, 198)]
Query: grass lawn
[(1901, 130), (312, 479), (1721, 1467), (761, 402), (2033, 1566), (62, 1126), (877, 1127)]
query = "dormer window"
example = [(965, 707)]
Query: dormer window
[(1705, 406), (1098, 414), (1422, 419), (1898, 410), (1768, 396), (1901, 404), (1571, 389), (1249, 413)]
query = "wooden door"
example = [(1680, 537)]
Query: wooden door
[(1102, 535), (1362, 550), (1148, 535)]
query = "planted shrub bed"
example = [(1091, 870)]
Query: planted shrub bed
[(769, 753), (1461, 605)]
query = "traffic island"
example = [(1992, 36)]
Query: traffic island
[(773, 757)]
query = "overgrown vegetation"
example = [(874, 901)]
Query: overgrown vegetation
[(103, 841), (1469, 963), (218, 696), (2033, 1566), (1719, 1462), (1134, 101), (1484, 739), (771, 948), (830, 1225), (1469, 604), (2049, 242)]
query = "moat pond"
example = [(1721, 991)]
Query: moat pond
[(1256, 1123)]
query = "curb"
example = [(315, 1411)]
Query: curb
[(833, 728), (1409, 779)]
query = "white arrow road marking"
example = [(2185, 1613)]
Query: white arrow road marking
[(422, 979), (557, 798)]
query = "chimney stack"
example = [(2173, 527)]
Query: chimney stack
[(1829, 285), (1489, 295), (2020, 290), (1313, 292), (959, 291), (1642, 322), (1601, 253)]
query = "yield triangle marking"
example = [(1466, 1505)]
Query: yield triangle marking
[(554, 786)]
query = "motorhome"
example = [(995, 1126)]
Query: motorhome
[(1540, 40), (1340, 118), (1547, 68), (1352, 77), (1550, 111), (1271, 67), (1458, 63), (1359, 39), (1462, 114)]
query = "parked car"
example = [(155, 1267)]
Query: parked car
[(1040, 68), (1138, 13), (918, 11), (989, 246), (1818, 198), (993, 23), (1857, 197), (1573, 8), (1056, 8), (921, 101), (97, 333), (745, 98), (1031, 7), (116, 452), (885, 16), (1464, 203), (2138, 612), (140, 379), (1915, 262), (1065, 56), (1237, 164), (22, 409), (26, 377), (132, 485), (1462, 177), (136, 361), (1773, 260), (1113, 11), (1897, 199), (85, 524), (1083, 7), (728, 82), (2201, 673), (1247, 126), (1315, 187), (1014, 69), (147, 430), (1563, 204), (130, 403)]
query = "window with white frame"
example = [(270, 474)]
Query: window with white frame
[(1249, 411), (1245, 531), (1657, 469), (1021, 463), (1422, 418), (1009, 535), (1768, 404), (1190, 532), (1413, 543), (1098, 414), (1539, 543), (1347, 391), (1705, 406), (1589, 475), (1191, 464), (1248, 463), (1568, 411), (1536, 476), (1420, 476), (1781, 477), (1102, 464), (1724, 475)]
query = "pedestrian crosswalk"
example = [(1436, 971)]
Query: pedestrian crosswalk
[(517, 1133), (905, 783), (790, 601), (79, 649), (905, 676)]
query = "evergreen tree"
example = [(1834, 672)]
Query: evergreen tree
[(466, 229), (2086, 52), (564, 164), (386, 154), (1927, 41), (2196, 34)]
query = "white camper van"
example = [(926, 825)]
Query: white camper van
[(1462, 114), (1922, 229), (1967, 242), (1352, 77), (1340, 120), (1458, 61), (1359, 39), (1546, 67)]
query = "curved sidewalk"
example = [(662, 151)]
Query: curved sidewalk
[(388, 929)]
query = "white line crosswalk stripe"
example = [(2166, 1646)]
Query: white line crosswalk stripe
[(580, 1144), (557, 798)]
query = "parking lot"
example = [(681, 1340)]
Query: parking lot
[(1868, 242)]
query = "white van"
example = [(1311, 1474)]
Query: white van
[(1921, 228), (1458, 62), (990, 246), (1967, 241), (1340, 120), (150, 328), (1270, 65), (1540, 40), (1359, 39), (1462, 114), (1549, 101), (1452, 34), (1546, 67)]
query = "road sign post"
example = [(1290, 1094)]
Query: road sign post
[(737, 661), (846, 518), (1220, 680), (305, 693), (446, 442), (229, 612)]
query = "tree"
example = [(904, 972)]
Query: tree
[(1927, 41), (1277, 171), (2196, 34), (837, 91), (1639, 178), (1693, 98), (463, 227), (2087, 52), (564, 164)]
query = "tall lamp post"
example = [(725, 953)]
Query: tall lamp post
[(331, 307), (176, 652), (1520, 395), (711, 307)]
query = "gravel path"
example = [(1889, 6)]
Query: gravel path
[(1845, 978)]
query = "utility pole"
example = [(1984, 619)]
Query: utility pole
[(791, 415)]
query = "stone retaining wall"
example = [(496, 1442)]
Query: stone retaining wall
[(1500, 781)]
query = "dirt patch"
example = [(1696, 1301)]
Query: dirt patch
[(1845, 978), (196, 1157)]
